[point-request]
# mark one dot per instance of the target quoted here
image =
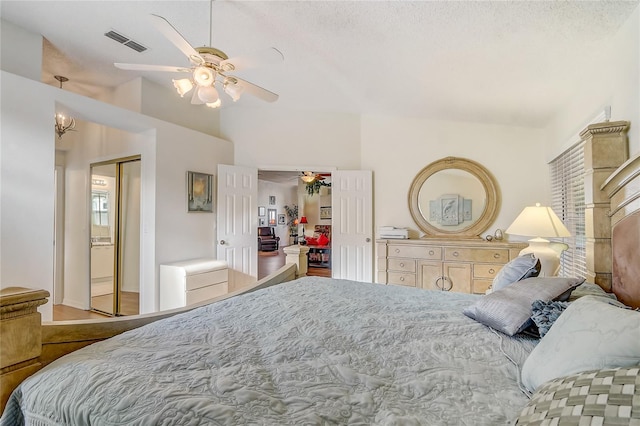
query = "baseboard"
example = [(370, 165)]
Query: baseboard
[(74, 304)]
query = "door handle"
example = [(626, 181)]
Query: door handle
[(368, 240), (222, 242)]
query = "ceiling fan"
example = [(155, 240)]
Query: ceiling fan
[(310, 177), (209, 66)]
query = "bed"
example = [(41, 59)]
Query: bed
[(323, 351)]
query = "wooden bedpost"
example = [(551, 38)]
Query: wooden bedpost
[(20, 337)]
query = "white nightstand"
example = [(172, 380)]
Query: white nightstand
[(191, 281)]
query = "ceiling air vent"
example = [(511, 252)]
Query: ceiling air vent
[(113, 35)]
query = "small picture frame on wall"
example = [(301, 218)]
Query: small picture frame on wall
[(272, 200), (281, 220), (271, 217), (262, 221), (262, 211), (199, 192), (325, 212)]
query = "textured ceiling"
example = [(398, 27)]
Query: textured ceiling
[(496, 62)]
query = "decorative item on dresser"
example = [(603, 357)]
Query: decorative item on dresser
[(467, 266)]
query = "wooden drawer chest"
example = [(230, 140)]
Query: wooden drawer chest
[(467, 266)]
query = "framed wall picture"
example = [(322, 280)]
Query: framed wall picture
[(272, 200), (199, 192), (281, 220), (271, 217), (262, 211), (325, 212), (262, 221)]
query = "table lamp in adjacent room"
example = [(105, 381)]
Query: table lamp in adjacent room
[(303, 220), (541, 222)]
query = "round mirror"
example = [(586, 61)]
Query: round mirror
[(454, 197)]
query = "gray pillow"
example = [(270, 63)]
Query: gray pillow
[(591, 334), (525, 266), (509, 310)]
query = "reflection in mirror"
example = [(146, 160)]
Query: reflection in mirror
[(452, 199)]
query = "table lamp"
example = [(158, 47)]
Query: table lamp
[(541, 222), (303, 220)]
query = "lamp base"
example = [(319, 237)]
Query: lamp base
[(548, 253)]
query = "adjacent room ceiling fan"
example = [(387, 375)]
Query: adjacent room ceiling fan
[(209, 67), (310, 177)]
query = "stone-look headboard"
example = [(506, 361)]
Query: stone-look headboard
[(623, 189), (605, 149)]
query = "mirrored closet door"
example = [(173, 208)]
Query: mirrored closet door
[(115, 236)]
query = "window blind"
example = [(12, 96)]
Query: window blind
[(567, 200)]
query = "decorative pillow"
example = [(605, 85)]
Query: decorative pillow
[(323, 240), (311, 241), (525, 266), (591, 334), (610, 396), (590, 289), (509, 310), (546, 313)]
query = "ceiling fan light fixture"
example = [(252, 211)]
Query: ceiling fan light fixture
[(204, 76), (215, 104), (307, 178), (183, 86), (208, 94), (233, 89)]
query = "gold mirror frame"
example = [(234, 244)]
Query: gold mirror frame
[(491, 207)]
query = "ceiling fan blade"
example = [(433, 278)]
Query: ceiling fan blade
[(176, 38), (256, 91), (145, 67), (269, 56)]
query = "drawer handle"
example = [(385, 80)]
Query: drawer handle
[(450, 284), (496, 255), (431, 252), (437, 286), (402, 264), (456, 254), (401, 278), (397, 250), (492, 271)]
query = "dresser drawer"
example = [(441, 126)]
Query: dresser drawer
[(486, 270), (402, 279), (481, 286), (205, 293), (403, 265), (422, 252), (476, 255), (208, 278)]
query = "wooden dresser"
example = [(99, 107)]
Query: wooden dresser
[(466, 266)]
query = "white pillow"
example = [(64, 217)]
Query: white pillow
[(591, 334)]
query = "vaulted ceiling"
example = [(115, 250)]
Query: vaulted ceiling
[(505, 62)]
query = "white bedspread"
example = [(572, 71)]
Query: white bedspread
[(313, 351)]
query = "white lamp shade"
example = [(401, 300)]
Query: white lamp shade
[(538, 221), (215, 104), (208, 94), (183, 86), (234, 90), (204, 76)]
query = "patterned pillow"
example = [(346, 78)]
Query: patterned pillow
[(525, 266), (545, 313), (597, 397)]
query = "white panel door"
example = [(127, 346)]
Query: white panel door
[(352, 225), (238, 223)]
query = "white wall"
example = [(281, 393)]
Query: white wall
[(21, 51), (397, 149), (271, 136), (27, 180), (613, 79)]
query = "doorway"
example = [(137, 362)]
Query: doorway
[(115, 236)]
